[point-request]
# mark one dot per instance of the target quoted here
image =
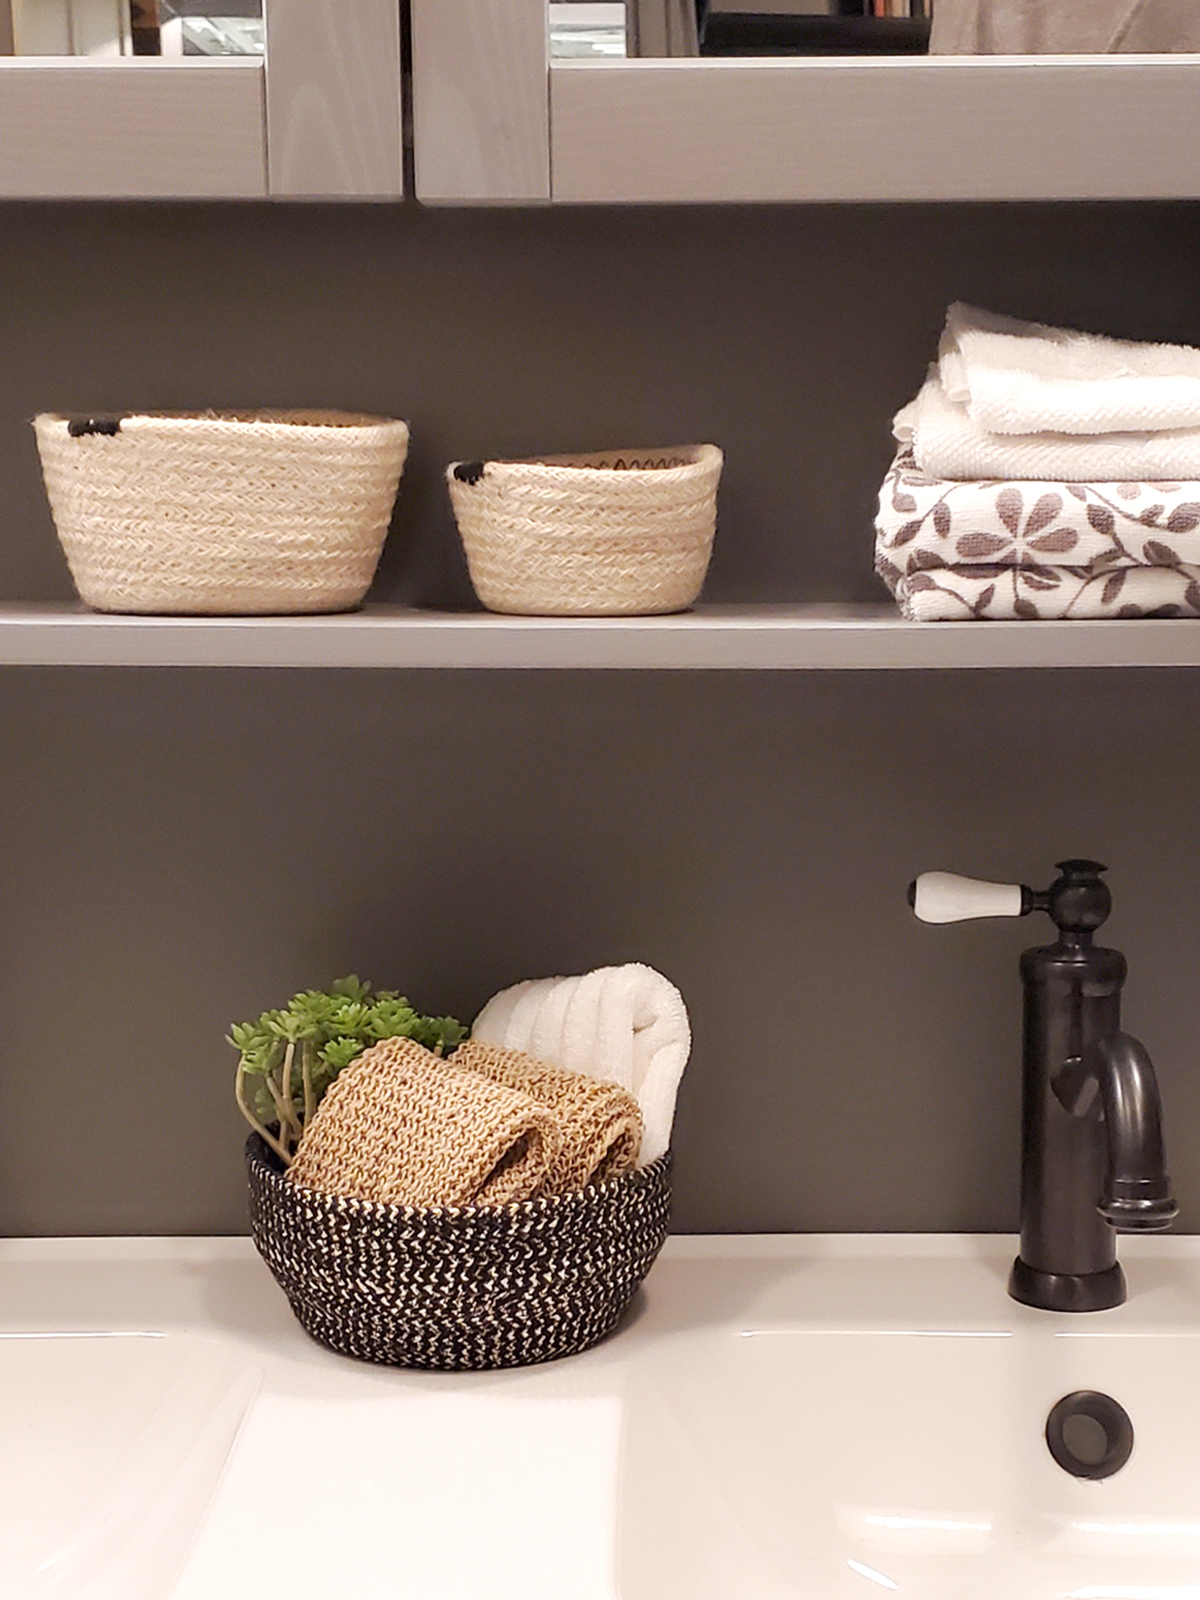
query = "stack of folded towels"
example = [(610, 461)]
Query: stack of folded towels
[(565, 1082), (1043, 473)]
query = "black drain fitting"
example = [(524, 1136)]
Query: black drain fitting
[(1089, 1434)]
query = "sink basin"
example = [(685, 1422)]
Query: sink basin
[(111, 1449), (781, 1418), (821, 1446)]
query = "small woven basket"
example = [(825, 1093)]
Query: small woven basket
[(621, 533), (459, 1288), (222, 513)]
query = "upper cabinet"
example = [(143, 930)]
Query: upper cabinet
[(776, 100), (157, 99), (602, 100)]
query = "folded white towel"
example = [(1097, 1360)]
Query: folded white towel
[(1025, 377), (947, 443), (625, 1025)]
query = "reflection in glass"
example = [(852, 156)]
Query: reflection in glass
[(874, 27), (114, 28), (581, 29), (585, 28), (814, 27), (1066, 27)]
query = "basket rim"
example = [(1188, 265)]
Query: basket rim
[(266, 1162), (283, 421), (582, 466)]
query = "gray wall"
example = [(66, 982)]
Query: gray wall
[(180, 848)]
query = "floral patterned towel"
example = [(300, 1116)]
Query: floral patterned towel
[(1021, 594), (995, 549)]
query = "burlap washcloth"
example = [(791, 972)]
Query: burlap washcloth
[(601, 1122), (402, 1126)]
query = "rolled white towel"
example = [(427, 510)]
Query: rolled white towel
[(625, 1025), (1027, 378)]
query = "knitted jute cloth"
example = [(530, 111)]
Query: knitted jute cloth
[(223, 513), (601, 1122), (403, 1127), (621, 532)]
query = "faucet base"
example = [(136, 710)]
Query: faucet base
[(1067, 1291)]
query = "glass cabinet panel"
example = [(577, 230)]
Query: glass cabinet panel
[(110, 29)]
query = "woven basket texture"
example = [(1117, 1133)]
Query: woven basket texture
[(459, 1289), (621, 533), (224, 513)]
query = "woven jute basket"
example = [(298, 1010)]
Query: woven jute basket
[(225, 513), (618, 533), (459, 1288)]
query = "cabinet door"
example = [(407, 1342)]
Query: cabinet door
[(499, 117), (316, 113), (481, 107)]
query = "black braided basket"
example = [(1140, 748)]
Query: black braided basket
[(459, 1288)]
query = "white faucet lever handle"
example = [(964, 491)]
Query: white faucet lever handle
[(945, 897)]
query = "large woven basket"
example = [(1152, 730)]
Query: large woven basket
[(619, 533), (222, 513), (459, 1288)]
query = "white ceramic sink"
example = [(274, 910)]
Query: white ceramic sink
[(787, 1418), (823, 1447), (111, 1448)]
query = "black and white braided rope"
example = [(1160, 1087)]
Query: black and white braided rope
[(459, 1288)]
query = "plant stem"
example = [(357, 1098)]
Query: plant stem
[(285, 1120), (307, 1049), (289, 1056), (260, 1128)]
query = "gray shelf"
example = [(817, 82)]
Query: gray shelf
[(781, 638)]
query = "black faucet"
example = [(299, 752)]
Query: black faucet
[(1092, 1161)]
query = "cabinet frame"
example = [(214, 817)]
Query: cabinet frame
[(496, 121), (321, 117)]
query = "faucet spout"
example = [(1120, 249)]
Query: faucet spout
[(1137, 1193)]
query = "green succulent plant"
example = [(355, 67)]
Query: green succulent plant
[(288, 1058)]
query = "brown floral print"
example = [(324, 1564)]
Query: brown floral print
[(1030, 550)]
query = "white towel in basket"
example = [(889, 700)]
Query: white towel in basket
[(625, 1025)]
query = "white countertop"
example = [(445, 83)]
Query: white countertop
[(369, 1483)]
